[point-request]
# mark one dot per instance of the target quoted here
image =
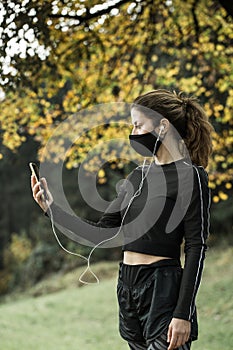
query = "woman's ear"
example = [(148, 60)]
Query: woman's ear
[(164, 125)]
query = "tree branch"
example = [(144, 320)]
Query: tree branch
[(89, 16), (196, 24)]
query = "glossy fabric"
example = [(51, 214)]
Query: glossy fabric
[(159, 344), (147, 297)]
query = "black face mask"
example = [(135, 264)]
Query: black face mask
[(144, 144)]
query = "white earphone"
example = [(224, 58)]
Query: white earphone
[(162, 127)]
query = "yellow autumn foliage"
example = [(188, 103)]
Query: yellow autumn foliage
[(114, 59)]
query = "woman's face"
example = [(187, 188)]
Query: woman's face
[(141, 124)]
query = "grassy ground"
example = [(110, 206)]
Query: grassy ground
[(86, 317), (215, 302)]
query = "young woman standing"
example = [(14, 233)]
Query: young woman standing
[(156, 296)]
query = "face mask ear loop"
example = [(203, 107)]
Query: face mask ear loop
[(151, 162), (158, 138)]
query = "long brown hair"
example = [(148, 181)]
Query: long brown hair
[(187, 116)]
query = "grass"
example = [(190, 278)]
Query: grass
[(215, 302), (86, 317)]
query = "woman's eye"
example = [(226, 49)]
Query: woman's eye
[(137, 127)]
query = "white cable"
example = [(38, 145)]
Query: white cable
[(72, 253), (136, 194)]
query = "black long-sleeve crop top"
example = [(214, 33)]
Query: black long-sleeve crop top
[(173, 205)]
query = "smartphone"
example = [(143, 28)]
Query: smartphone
[(35, 171)]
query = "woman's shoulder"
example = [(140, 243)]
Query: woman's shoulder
[(198, 179), (190, 167), (200, 172), (192, 178)]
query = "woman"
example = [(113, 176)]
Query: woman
[(156, 296)]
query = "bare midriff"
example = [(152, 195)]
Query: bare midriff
[(134, 258)]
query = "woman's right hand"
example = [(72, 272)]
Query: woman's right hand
[(37, 193)]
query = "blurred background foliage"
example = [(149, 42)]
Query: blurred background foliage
[(60, 57)]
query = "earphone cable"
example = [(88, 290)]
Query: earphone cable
[(136, 194)]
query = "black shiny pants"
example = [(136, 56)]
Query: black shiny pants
[(159, 344), (147, 296)]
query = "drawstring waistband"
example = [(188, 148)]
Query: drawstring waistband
[(132, 275)]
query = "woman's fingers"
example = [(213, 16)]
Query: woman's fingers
[(48, 193), (33, 181), (39, 196), (44, 182), (187, 336), (180, 341), (45, 187), (176, 341), (34, 185), (35, 189), (38, 192), (178, 333), (169, 334), (173, 342)]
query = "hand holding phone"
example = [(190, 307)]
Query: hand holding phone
[(40, 190)]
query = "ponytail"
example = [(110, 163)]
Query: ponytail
[(198, 138), (187, 116)]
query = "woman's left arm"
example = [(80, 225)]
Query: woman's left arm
[(196, 231)]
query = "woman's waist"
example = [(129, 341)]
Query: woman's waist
[(136, 258), (147, 251)]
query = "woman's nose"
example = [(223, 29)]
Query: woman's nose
[(134, 131), (137, 131)]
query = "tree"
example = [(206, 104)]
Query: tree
[(71, 56), (62, 57)]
